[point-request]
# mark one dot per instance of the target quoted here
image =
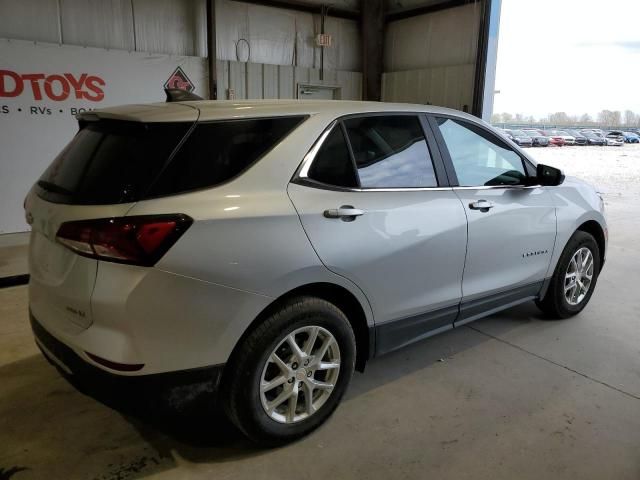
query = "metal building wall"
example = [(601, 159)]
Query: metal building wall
[(430, 59), (444, 86), (262, 51), (178, 27), (257, 81), (283, 37)]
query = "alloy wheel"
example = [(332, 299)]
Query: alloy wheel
[(578, 276), (300, 374)]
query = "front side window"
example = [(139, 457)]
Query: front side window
[(479, 158), (390, 152)]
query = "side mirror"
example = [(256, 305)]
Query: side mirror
[(549, 176)]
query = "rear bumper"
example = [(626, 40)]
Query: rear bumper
[(68, 361), (145, 321)]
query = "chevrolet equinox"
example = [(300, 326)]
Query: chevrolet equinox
[(279, 245)]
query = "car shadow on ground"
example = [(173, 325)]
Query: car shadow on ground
[(187, 423)]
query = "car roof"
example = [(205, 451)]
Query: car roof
[(229, 109)]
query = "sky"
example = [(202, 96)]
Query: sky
[(573, 56)]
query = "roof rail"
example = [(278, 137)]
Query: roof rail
[(180, 95)]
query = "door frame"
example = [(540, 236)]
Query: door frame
[(488, 304)]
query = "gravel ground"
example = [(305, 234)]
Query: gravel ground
[(615, 171)]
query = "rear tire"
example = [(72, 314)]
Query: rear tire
[(301, 377), (574, 278)]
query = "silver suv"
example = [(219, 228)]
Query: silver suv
[(277, 246)]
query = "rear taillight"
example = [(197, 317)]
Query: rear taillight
[(140, 240)]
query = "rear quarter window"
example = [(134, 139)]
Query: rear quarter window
[(216, 152)]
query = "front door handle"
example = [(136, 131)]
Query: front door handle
[(346, 213), (482, 205)]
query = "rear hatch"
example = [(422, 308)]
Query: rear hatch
[(109, 165)]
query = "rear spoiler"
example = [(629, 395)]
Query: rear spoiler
[(130, 112)]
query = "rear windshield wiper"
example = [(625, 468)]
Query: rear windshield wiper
[(52, 187)]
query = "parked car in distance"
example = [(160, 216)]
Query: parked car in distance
[(615, 135), (539, 140), (614, 141), (593, 138), (273, 247), (597, 131), (504, 133), (556, 140), (580, 139), (631, 137), (520, 138), (568, 139)]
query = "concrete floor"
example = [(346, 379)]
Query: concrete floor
[(13, 254), (508, 397)]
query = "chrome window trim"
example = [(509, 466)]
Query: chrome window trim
[(308, 182), (303, 170), (493, 187)]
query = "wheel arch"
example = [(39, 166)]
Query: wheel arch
[(593, 228), (339, 296)]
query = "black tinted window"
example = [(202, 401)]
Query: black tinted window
[(110, 162), (390, 151), (218, 151), (480, 158), (332, 164)]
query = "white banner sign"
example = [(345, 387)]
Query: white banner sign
[(43, 87)]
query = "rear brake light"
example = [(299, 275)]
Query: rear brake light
[(138, 240)]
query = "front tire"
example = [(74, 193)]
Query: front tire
[(290, 373), (574, 278)]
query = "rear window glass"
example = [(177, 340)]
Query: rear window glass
[(110, 162)]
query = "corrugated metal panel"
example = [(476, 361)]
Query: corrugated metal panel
[(450, 86), (176, 27), (270, 81), (245, 32), (255, 80), (286, 86), (351, 83), (97, 23), (238, 79), (301, 75), (30, 20), (222, 77), (283, 37), (447, 37)]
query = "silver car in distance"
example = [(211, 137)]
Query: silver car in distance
[(279, 245)]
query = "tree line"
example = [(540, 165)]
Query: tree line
[(604, 118)]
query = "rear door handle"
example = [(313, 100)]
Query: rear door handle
[(346, 213), (482, 205)]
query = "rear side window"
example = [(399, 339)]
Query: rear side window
[(218, 151), (332, 164), (390, 151), (111, 162)]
